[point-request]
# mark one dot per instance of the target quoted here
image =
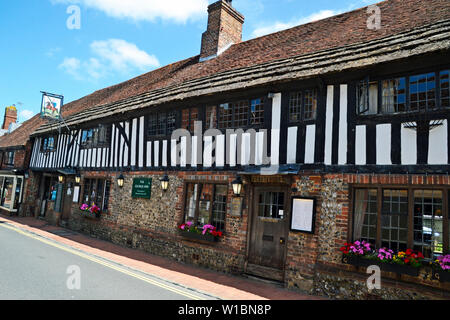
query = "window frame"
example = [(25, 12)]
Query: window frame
[(8, 159), (44, 144), (438, 107), (302, 107), (249, 114), (197, 202), (166, 132), (410, 222), (95, 143), (105, 182)]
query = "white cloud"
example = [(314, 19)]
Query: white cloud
[(121, 54), (113, 55), (26, 115), (146, 10), (278, 26), (72, 67)]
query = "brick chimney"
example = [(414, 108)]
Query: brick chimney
[(10, 117), (224, 29)]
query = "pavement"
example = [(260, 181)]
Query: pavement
[(221, 285)]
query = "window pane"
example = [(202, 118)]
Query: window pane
[(422, 92), (295, 107), (394, 232), (171, 122), (271, 205), (257, 109), (310, 104), (225, 116), (106, 195), (241, 113), (205, 204), (100, 190), (162, 124), (220, 207), (191, 201), (394, 95), (365, 219), (153, 125), (428, 223), (444, 87), (367, 97), (86, 191)]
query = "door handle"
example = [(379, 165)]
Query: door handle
[(282, 240)]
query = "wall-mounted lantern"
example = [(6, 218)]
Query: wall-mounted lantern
[(237, 186), (78, 178), (120, 181), (165, 183), (61, 178)]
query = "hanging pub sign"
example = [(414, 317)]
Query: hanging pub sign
[(303, 214), (142, 188), (51, 106)]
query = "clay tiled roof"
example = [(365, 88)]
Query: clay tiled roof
[(398, 16)]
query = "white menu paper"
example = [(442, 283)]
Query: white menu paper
[(302, 215)]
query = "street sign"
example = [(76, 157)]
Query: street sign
[(142, 188)]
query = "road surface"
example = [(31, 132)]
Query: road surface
[(36, 268)]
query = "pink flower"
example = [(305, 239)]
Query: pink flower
[(208, 227)]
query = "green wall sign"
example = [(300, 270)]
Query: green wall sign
[(142, 188)]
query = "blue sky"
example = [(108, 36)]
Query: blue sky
[(118, 40)]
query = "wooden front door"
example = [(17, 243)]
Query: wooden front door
[(269, 231)]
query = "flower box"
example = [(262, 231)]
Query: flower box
[(400, 269), (90, 215), (441, 275), (358, 261), (387, 267), (198, 236)]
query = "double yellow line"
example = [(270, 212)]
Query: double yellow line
[(106, 264)]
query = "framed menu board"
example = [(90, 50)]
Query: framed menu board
[(303, 217)]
